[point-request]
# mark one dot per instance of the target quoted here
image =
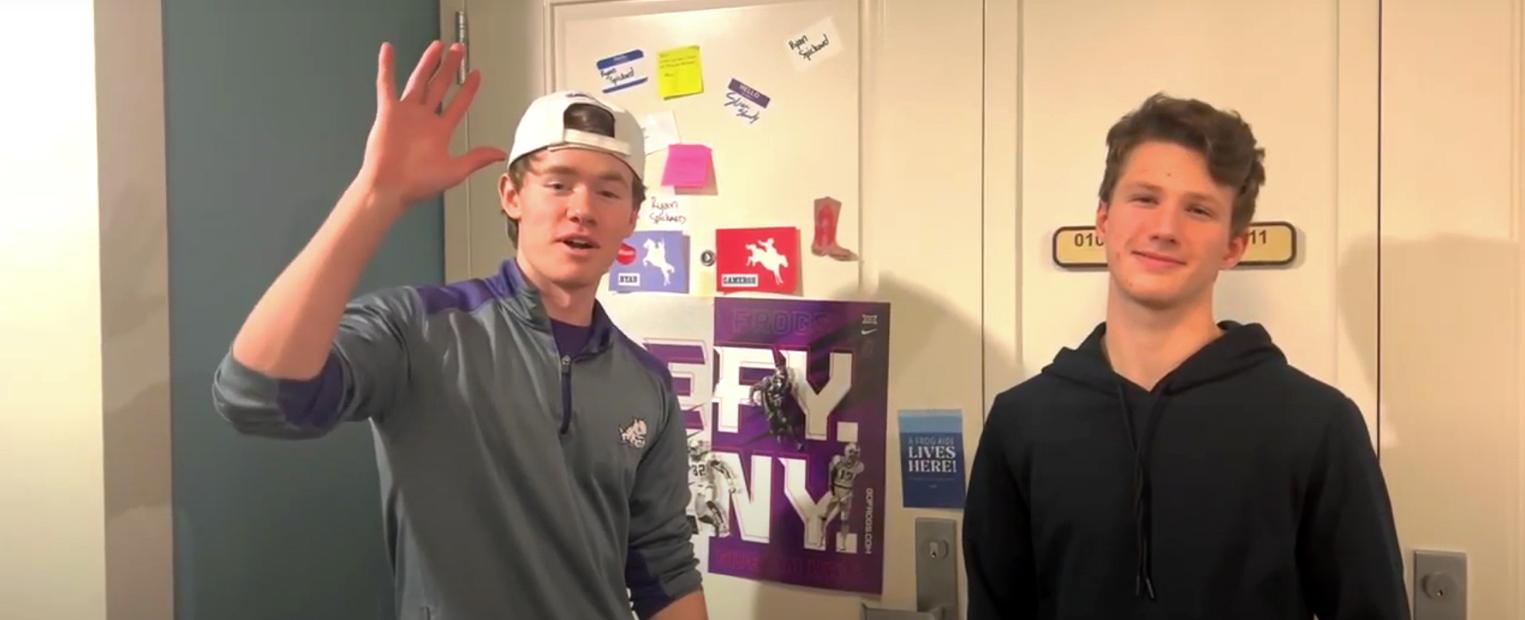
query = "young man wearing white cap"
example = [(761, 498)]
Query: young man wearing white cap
[(532, 458)]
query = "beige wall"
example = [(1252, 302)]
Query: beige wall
[(135, 375), (51, 500), (84, 454), (1451, 286)]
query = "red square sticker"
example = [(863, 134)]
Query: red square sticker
[(764, 260)]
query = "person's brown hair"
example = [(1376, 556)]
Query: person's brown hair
[(1222, 137)]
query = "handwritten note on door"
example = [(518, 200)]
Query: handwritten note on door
[(679, 72), (746, 102), (816, 44), (622, 71), (666, 211), (688, 166)]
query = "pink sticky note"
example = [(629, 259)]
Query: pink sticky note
[(688, 165)]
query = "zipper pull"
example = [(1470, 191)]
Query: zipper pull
[(566, 393)]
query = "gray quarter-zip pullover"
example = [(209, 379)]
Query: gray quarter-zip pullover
[(516, 482)]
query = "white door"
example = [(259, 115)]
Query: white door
[(1059, 73), (1444, 343), (1451, 354), (1312, 107)]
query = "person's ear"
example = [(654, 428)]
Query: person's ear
[(1237, 245), (508, 197), (1101, 221)]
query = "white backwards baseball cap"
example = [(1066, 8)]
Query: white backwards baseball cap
[(544, 126)]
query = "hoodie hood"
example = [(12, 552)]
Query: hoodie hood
[(1240, 348)]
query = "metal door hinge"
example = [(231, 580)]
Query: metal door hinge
[(460, 37)]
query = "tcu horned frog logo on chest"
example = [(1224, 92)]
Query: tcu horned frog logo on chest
[(634, 434)]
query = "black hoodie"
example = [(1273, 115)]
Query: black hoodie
[(1239, 488)]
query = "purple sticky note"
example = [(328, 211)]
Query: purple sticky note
[(688, 165)]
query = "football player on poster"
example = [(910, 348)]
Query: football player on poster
[(845, 468), (707, 475)]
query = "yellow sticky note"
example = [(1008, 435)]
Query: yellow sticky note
[(679, 72)]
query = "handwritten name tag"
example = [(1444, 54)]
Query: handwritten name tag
[(666, 211), (623, 71), (745, 101), (818, 43)]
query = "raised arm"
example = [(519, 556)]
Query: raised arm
[(289, 333), (308, 358)]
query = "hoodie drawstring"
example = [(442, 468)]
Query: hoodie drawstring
[(1143, 580), (1240, 348)]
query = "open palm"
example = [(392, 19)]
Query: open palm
[(407, 155)]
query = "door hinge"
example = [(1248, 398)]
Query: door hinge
[(460, 37)]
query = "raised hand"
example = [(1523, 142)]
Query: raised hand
[(407, 156)]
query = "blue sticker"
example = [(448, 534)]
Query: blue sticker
[(932, 458), (623, 71)]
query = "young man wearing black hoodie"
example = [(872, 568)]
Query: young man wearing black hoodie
[(1174, 466)]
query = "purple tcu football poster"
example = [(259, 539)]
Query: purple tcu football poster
[(786, 469), (800, 410)]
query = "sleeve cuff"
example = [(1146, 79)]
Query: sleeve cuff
[(313, 403), (257, 404), (651, 600)]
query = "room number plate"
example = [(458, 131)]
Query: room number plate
[(1272, 244)]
